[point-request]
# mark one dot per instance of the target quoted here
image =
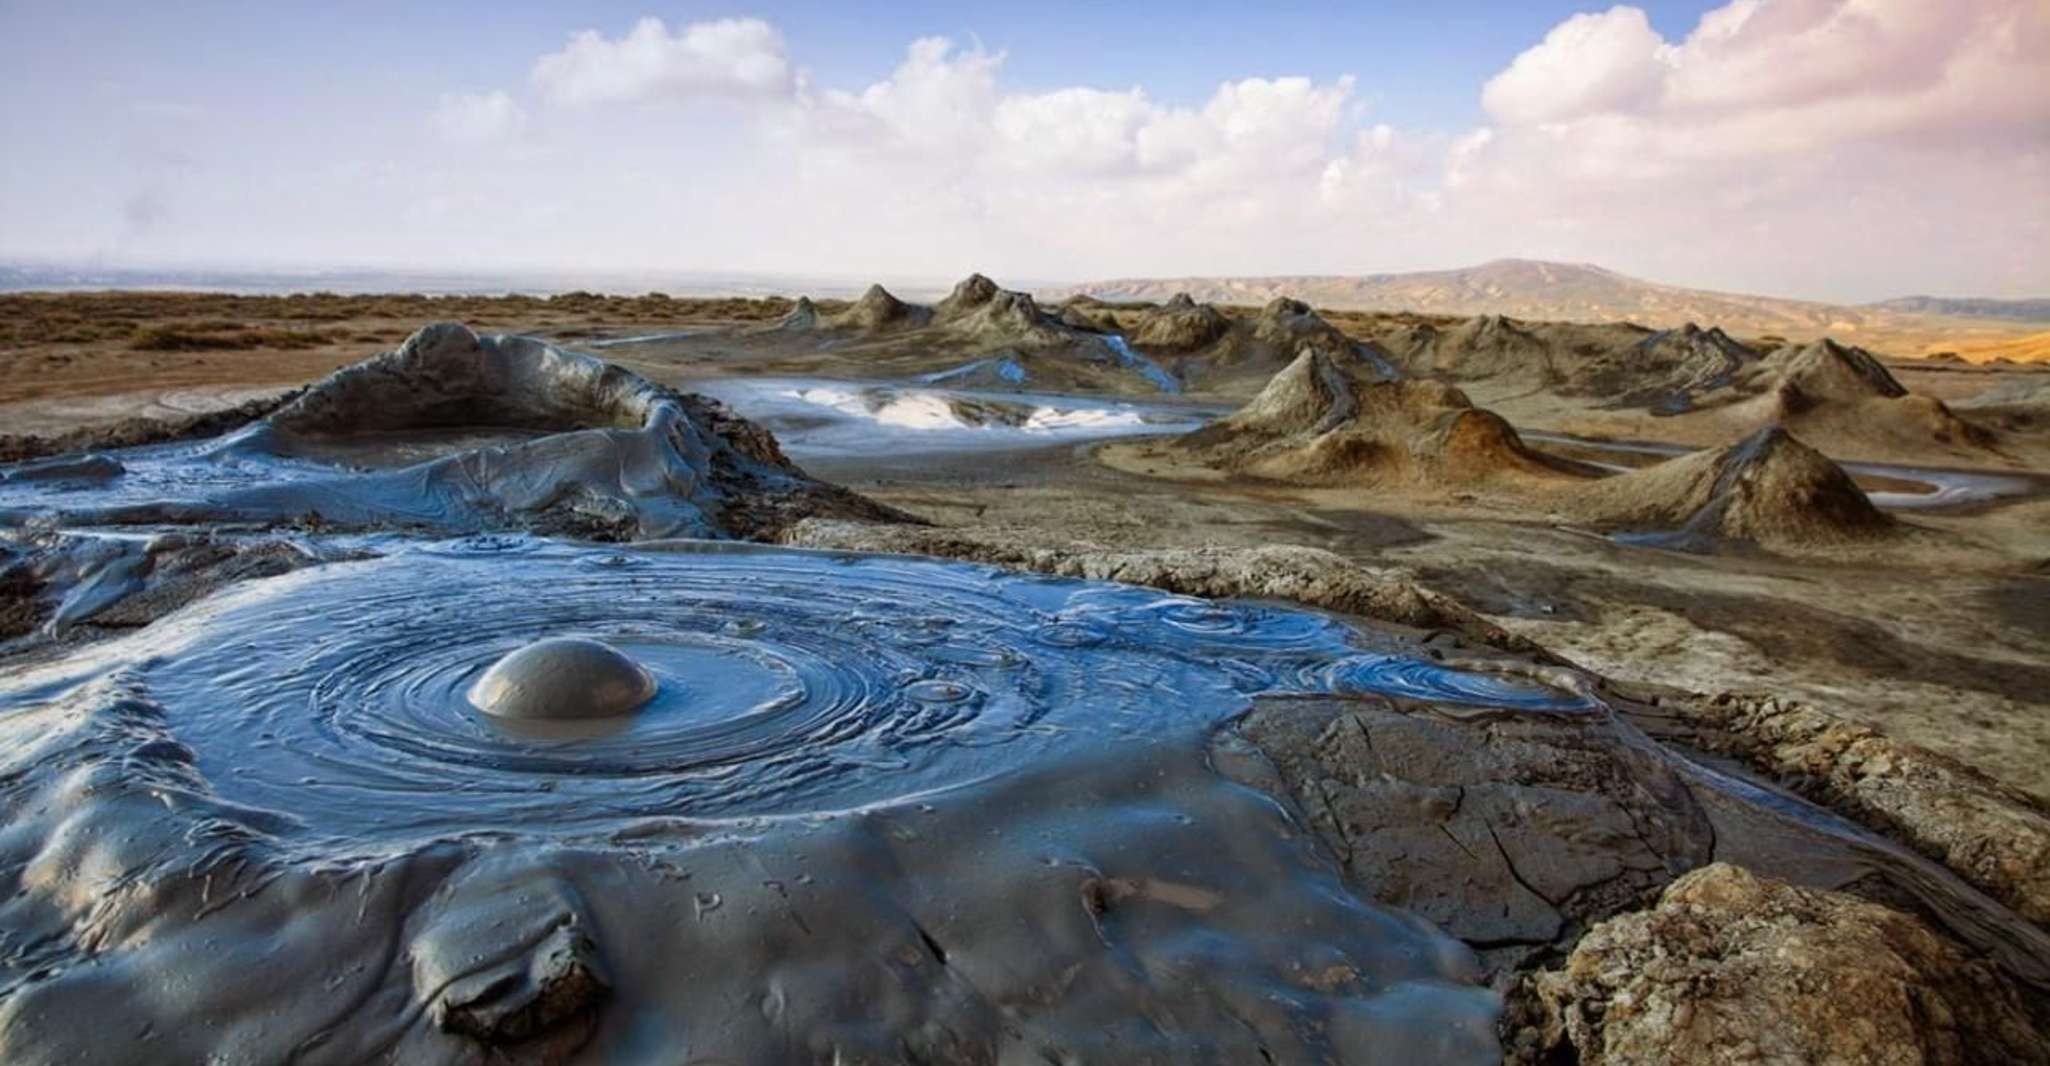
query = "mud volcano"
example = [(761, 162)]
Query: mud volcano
[(1323, 420), (886, 795), (1768, 488), (454, 432)]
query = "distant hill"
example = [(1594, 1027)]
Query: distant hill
[(1969, 307), (1538, 290), (2033, 348)]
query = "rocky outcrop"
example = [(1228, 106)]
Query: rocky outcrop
[(1734, 967), (1768, 488)]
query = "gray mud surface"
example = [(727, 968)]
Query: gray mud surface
[(897, 801)]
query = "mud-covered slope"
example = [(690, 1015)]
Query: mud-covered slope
[(1768, 488), (980, 311), (1180, 325), (1614, 364), (981, 334), (1668, 371), (1845, 397), (1320, 421), (877, 311)]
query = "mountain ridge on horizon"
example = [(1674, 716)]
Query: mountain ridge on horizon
[(1549, 290)]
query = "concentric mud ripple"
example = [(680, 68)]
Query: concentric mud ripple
[(790, 683)]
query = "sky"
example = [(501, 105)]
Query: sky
[(1831, 149)]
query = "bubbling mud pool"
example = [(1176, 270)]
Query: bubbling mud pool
[(877, 809), (785, 682)]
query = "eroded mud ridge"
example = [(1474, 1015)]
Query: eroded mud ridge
[(862, 785)]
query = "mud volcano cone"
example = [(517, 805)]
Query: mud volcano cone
[(1769, 488), (1180, 325), (878, 311)]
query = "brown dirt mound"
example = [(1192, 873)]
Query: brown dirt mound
[(1627, 365), (1826, 370), (1246, 346), (1092, 315), (1846, 396), (1180, 325), (969, 293), (878, 312), (1667, 370), (1317, 421), (1768, 488), (978, 310), (874, 313), (1288, 326)]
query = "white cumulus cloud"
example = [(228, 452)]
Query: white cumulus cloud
[(1587, 65), (1849, 137), (729, 57)]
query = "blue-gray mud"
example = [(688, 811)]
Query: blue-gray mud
[(880, 808)]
